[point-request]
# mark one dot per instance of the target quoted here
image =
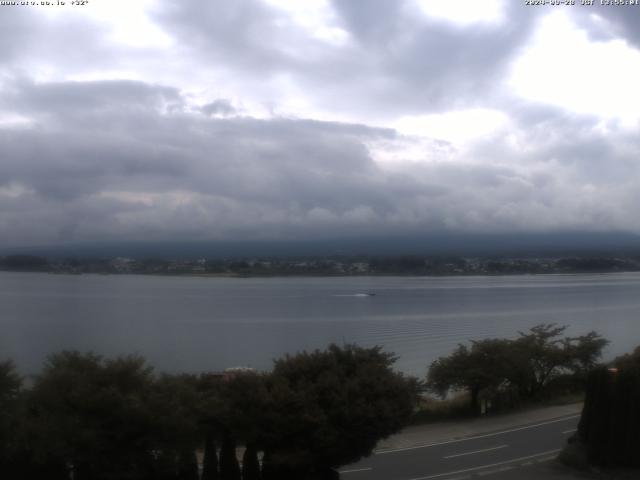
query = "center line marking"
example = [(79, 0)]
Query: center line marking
[(476, 451), (483, 467), (570, 431)]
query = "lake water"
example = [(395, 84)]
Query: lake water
[(197, 324)]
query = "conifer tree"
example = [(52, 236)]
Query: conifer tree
[(229, 468), (210, 461), (250, 464), (610, 422)]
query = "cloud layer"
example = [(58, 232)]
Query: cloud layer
[(249, 119)]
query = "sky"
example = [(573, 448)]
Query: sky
[(149, 120)]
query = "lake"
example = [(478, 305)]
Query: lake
[(197, 324)]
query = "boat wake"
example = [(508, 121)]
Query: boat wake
[(355, 295)]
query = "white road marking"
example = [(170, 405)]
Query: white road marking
[(569, 431), (476, 451), (564, 419), (495, 470), (482, 467), (545, 459), (356, 470)]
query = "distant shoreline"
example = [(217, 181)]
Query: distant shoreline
[(336, 275), (338, 266)]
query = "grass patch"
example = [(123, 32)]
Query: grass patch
[(431, 409)]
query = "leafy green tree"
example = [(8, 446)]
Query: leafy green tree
[(10, 382), (329, 408), (584, 353), (542, 354), (474, 369), (174, 402), (526, 364), (628, 361), (93, 414), (10, 385), (241, 403), (539, 355), (29, 263)]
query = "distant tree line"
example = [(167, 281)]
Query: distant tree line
[(536, 363), (323, 266), (26, 263), (91, 418)]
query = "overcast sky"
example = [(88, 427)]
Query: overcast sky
[(250, 119)]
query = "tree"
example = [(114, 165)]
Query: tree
[(239, 404), (609, 428), (103, 419), (174, 402), (187, 465), (229, 468), (24, 263), (584, 353), (232, 411), (629, 360), (94, 415), (472, 369), (329, 408), (526, 364), (250, 464), (541, 355), (10, 384), (210, 460), (241, 411)]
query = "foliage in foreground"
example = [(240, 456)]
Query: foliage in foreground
[(524, 368), (609, 429), (337, 404), (107, 419)]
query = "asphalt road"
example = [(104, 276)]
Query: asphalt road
[(493, 452)]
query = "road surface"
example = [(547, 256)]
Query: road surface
[(480, 455)]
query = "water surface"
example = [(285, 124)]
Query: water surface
[(197, 324)]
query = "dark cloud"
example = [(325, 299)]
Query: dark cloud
[(89, 149), (607, 22), (131, 159), (244, 33), (91, 98), (90, 171), (396, 59), (430, 63), (220, 106)]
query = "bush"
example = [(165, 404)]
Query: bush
[(102, 419), (431, 409), (610, 422), (330, 408)]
